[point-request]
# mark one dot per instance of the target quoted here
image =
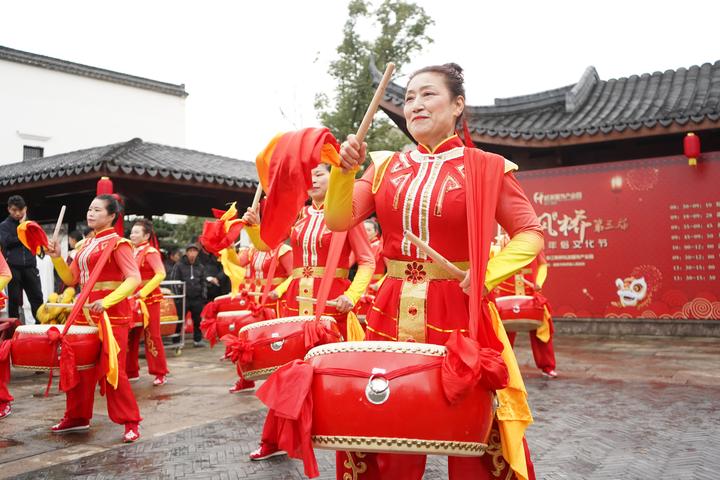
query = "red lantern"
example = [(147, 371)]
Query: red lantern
[(691, 144), (105, 187)]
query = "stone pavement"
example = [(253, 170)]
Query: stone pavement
[(634, 408)]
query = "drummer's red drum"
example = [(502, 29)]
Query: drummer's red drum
[(226, 303), (230, 322), (520, 313), (380, 408), (32, 349), (276, 342), (168, 314)]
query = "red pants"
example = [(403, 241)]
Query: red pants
[(381, 466), (154, 349), (121, 404), (543, 353)]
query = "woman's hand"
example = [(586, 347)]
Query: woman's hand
[(251, 216), (344, 304), (97, 307), (352, 153), (53, 249), (465, 285)]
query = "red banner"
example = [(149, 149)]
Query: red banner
[(635, 239)]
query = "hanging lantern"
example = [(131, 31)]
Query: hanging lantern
[(105, 187), (691, 144)]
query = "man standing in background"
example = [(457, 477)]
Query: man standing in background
[(22, 262)]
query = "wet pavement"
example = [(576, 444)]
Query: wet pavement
[(634, 408)]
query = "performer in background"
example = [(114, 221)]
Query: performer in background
[(257, 269), (424, 191), (152, 272), (529, 280), (110, 296), (310, 242), (5, 397)]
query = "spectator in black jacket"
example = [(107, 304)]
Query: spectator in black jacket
[(217, 282), (22, 262), (193, 273)]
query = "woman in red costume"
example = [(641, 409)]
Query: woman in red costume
[(152, 272), (5, 397), (310, 242), (110, 296), (257, 269), (424, 191), (257, 272), (529, 281)]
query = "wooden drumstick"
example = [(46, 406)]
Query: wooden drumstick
[(63, 305), (375, 103), (255, 294), (456, 272), (329, 303), (56, 232), (258, 194)]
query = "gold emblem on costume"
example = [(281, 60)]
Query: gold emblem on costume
[(355, 469)]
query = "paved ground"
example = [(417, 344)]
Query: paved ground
[(639, 408)]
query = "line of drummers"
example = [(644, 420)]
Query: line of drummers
[(267, 321)]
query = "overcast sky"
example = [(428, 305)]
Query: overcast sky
[(252, 68)]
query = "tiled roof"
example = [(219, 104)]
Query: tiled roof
[(64, 66), (138, 158), (592, 106)]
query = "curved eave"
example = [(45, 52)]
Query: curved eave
[(557, 139)]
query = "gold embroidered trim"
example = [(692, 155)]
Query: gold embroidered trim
[(317, 272), (390, 337), (404, 445), (47, 369), (433, 327), (260, 374), (432, 270)]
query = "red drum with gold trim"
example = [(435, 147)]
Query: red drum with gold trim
[(388, 397), (32, 348), (520, 313), (276, 342), (231, 304), (232, 321), (168, 314)]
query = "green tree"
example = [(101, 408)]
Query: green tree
[(401, 31)]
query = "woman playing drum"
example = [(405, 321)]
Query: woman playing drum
[(310, 242), (424, 192), (110, 296), (152, 272)]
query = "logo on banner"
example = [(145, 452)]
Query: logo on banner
[(554, 198)]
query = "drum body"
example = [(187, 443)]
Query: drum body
[(169, 318), (378, 412), (276, 342), (520, 313), (230, 322), (31, 347), (231, 304)]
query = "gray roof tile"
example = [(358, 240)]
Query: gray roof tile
[(136, 157), (594, 106)]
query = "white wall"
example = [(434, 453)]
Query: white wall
[(62, 112)]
